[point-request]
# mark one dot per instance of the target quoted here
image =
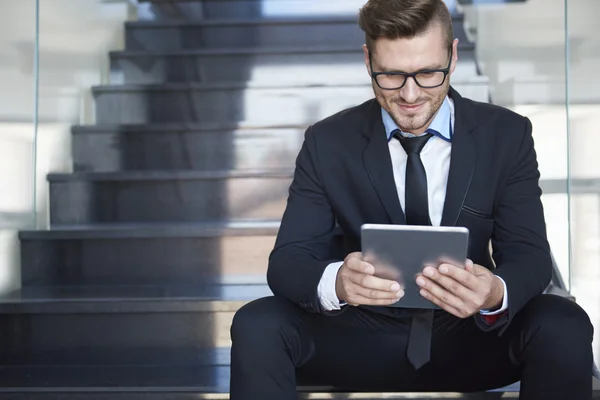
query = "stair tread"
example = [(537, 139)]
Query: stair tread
[(169, 175), (329, 19), (199, 379), (205, 126), (125, 293), (153, 230), (223, 51), (28, 379), (130, 298), (213, 86), (213, 379)]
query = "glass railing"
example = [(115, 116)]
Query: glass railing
[(18, 128), (583, 106), (521, 51)]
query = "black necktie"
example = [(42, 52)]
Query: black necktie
[(416, 209)]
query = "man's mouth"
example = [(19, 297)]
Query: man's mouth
[(410, 107)]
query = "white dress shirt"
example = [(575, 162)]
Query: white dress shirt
[(436, 160)]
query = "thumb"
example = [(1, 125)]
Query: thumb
[(469, 266)]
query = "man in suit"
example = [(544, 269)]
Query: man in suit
[(421, 154)]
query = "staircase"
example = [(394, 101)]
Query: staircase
[(164, 228)]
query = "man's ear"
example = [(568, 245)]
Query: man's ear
[(454, 56), (366, 53)]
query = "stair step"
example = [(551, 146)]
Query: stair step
[(165, 383), (315, 65), (237, 102), (193, 253), (185, 147), (167, 196), (124, 379), (248, 32), (122, 325), (218, 9)]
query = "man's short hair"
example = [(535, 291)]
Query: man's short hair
[(403, 19)]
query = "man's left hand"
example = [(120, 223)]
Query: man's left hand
[(461, 291)]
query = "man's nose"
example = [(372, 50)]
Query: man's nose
[(410, 92)]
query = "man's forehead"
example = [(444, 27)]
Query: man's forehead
[(410, 58)]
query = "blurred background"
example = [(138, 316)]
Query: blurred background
[(72, 69)]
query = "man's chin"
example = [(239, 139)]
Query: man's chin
[(413, 125)]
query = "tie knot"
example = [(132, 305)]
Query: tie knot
[(413, 145)]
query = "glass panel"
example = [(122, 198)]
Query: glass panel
[(76, 37), (521, 50), (584, 111), (17, 132)]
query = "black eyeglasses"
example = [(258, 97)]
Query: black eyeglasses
[(427, 78)]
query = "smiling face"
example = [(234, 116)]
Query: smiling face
[(412, 107)]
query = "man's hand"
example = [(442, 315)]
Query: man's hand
[(356, 285), (461, 292)]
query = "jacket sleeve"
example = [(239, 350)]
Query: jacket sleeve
[(520, 247), (306, 239)]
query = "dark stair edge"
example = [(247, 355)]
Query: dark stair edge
[(226, 22), (167, 175), (134, 379), (96, 303), (216, 86), (224, 51), (179, 127), (242, 85), (154, 230)]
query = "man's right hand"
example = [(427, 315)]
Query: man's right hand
[(356, 285)]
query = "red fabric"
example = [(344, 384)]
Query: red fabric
[(491, 319)]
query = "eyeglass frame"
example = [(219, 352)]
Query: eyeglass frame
[(412, 75)]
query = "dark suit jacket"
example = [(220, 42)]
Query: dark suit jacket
[(343, 179)]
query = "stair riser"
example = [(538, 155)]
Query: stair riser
[(341, 67), (286, 106), (186, 200), (294, 68), (168, 338), (267, 35), (198, 396), (145, 260), (186, 150), (293, 105), (218, 9)]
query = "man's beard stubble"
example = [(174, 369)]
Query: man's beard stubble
[(414, 122)]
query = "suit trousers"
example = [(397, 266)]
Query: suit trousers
[(277, 346)]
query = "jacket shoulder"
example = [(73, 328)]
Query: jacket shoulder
[(496, 115), (345, 122)]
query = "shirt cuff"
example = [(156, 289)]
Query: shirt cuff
[(326, 289), (504, 305)]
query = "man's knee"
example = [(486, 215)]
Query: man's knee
[(558, 323), (260, 321)]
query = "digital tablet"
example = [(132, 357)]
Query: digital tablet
[(400, 252)]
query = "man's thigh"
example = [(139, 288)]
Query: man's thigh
[(364, 351)]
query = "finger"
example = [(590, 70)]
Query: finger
[(469, 266), (439, 292), (452, 310), (461, 275), (449, 283), (377, 294), (357, 299), (373, 282), (356, 264)]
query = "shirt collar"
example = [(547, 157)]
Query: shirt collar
[(440, 126)]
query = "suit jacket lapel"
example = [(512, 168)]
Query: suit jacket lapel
[(462, 160), (378, 164)]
